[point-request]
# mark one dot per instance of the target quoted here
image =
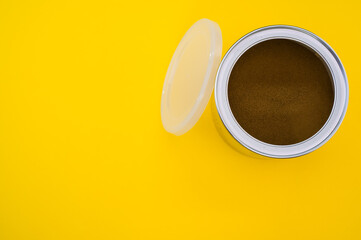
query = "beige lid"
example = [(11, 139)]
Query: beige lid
[(190, 77)]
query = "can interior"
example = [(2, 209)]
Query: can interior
[(280, 92)]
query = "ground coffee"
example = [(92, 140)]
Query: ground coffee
[(280, 92)]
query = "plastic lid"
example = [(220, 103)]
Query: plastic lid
[(190, 77)]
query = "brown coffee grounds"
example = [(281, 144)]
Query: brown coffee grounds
[(280, 92)]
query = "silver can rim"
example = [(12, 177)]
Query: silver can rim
[(309, 40)]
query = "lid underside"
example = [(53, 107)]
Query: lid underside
[(190, 77)]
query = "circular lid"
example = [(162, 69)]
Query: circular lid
[(190, 77)]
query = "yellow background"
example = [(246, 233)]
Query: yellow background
[(83, 154)]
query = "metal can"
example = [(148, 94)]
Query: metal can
[(313, 42)]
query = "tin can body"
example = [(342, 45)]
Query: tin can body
[(236, 135)]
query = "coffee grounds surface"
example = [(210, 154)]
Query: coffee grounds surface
[(280, 92)]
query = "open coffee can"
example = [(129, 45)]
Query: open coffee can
[(280, 91)]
